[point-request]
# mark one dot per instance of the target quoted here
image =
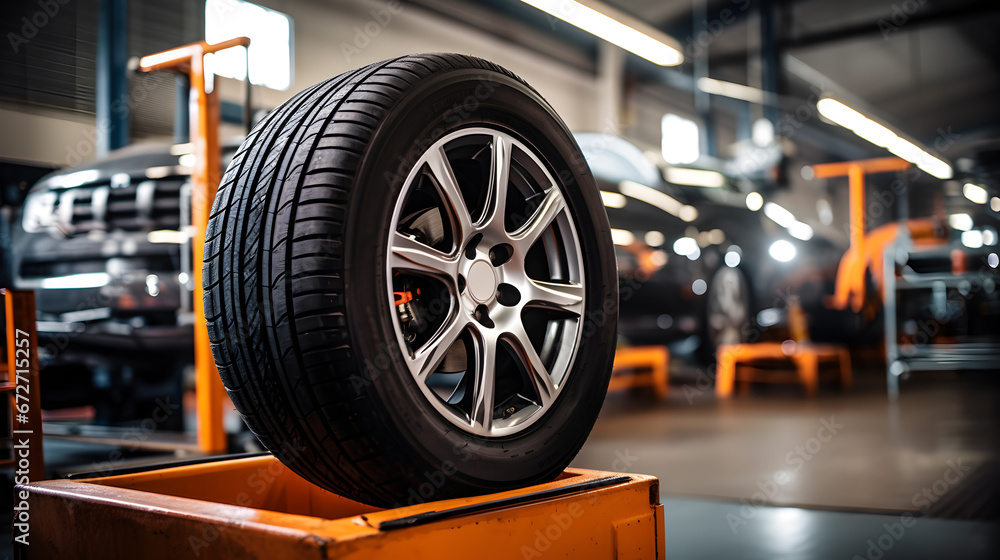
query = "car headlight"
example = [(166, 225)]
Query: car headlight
[(39, 211)]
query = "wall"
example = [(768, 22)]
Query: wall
[(327, 42)]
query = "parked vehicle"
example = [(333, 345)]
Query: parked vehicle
[(105, 246), (698, 267)]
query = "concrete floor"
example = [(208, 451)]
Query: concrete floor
[(852, 450), (856, 467)]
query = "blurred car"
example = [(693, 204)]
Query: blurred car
[(106, 247), (698, 267)]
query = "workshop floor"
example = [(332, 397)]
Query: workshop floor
[(850, 450), (851, 463)]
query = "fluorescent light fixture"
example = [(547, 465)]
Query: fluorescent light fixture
[(961, 222), (614, 27), (656, 198), (972, 239), (613, 199), (684, 246), (77, 281), (622, 237), (679, 142), (975, 193), (731, 89), (802, 231), (779, 215), (755, 201), (880, 135), (694, 177), (654, 238), (270, 34), (782, 251), (786, 219)]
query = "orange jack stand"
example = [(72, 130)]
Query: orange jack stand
[(257, 508), (649, 366), (805, 357), (190, 59)]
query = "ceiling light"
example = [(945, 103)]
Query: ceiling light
[(654, 238), (685, 246), (607, 23), (755, 201), (779, 215), (995, 204), (972, 239), (802, 231), (622, 237), (699, 287), (975, 193), (782, 251), (613, 199), (694, 177), (679, 140), (881, 136), (731, 89), (961, 222), (732, 259)]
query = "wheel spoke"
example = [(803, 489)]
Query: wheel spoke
[(485, 381), (499, 179), (552, 295), (550, 208), (410, 254), (428, 357), (451, 194), (532, 363)]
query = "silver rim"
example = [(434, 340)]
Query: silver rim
[(486, 277)]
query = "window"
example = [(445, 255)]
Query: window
[(270, 34)]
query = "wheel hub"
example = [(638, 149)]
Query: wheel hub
[(508, 380), (481, 281)]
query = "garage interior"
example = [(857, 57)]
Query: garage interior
[(803, 198)]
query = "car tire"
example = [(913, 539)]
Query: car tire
[(410, 285)]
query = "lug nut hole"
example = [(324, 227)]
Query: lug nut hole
[(508, 295)]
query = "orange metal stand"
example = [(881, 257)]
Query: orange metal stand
[(190, 59), (805, 357), (649, 367), (257, 508), (850, 288), (19, 383)]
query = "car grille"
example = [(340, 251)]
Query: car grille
[(148, 205)]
